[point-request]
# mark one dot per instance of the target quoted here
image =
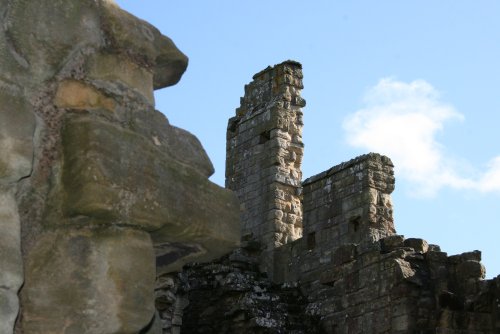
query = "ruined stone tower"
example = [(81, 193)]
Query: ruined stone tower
[(264, 154)]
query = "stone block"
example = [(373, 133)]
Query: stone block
[(467, 256), (9, 308), (89, 280), (112, 70), (186, 148), (17, 127), (92, 24), (45, 43), (131, 181), (156, 325), (344, 254), (178, 143), (400, 323), (437, 256), (419, 245), (404, 271), (392, 242), (14, 68), (142, 42), (434, 248), (73, 94), (470, 269), (11, 263)]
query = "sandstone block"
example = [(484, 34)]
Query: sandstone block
[(78, 95), (11, 263), (17, 126), (392, 242), (130, 180), (115, 69), (470, 269), (89, 281), (400, 324), (144, 44), (188, 149), (156, 325), (44, 43), (9, 307), (419, 245), (180, 144), (403, 269), (13, 70), (345, 253)]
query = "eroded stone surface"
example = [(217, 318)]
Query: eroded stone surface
[(89, 280), (42, 35), (9, 307), (145, 44), (17, 127), (11, 265), (11, 273), (94, 177), (131, 180), (72, 94)]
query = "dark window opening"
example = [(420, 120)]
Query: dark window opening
[(355, 223), (264, 137), (311, 240)]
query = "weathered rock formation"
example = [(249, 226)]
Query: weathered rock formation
[(98, 192)]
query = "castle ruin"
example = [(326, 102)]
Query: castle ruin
[(322, 255), (109, 224)]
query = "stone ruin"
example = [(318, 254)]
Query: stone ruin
[(320, 255), (108, 218)]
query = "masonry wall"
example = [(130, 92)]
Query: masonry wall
[(264, 153), (347, 204), (361, 277), (350, 203)]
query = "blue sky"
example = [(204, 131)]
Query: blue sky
[(415, 80)]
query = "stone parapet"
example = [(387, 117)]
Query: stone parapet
[(350, 203)]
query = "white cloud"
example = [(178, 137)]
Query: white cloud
[(490, 181), (401, 120)]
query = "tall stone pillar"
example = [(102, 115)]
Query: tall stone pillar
[(264, 155)]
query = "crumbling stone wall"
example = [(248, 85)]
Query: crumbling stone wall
[(233, 296), (264, 154), (350, 203), (357, 274), (350, 273), (98, 192)]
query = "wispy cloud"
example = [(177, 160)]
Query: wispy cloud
[(402, 120)]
